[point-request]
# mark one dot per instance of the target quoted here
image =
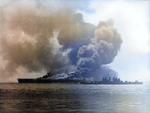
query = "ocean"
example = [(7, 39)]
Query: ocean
[(74, 98)]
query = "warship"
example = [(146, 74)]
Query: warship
[(73, 78), (106, 80), (50, 78)]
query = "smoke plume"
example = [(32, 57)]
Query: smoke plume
[(36, 37), (102, 50)]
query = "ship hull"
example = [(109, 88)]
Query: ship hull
[(113, 83), (20, 80), (47, 81)]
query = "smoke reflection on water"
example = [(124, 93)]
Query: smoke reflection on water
[(74, 98)]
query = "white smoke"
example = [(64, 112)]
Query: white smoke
[(34, 38)]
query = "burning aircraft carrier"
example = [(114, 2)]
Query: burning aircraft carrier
[(74, 78), (35, 39), (50, 78)]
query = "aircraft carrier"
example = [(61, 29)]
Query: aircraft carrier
[(50, 78), (73, 78)]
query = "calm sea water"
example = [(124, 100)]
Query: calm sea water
[(74, 98)]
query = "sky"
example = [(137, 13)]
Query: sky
[(132, 20), (111, 36)]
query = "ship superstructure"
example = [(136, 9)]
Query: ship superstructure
[(73, 77), (107, 80)]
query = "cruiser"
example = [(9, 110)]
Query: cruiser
[(108, 81)]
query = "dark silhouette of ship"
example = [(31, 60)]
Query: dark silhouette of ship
[(106, 80), (50, 78), (73, 78)]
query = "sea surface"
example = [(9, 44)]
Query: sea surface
[(74, 98)]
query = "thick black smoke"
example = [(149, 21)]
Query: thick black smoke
[(102, 50), (36, 37)]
